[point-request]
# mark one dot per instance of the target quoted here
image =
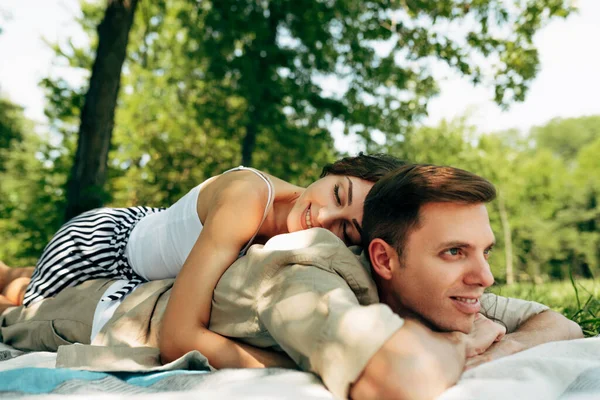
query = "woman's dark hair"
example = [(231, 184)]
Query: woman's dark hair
[(391, 209), (370, 167)]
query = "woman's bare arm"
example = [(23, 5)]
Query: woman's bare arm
[(232, 219)]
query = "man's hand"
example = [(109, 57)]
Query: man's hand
[(504, 347), (544, 327), (484, 334)]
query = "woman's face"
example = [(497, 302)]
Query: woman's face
[(334, 202)]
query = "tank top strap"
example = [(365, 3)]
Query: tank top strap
[(270, 199)]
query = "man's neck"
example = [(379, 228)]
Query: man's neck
[(386, 296)]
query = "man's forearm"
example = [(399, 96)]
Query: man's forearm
[(414, 363), (547, 326)]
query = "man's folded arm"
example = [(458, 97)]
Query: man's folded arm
[(547, 326), (521, 316), (316, 318), (528, 324)]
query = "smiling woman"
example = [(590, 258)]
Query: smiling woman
[(196, 239), (330, 203)]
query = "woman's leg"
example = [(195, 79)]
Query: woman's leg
[(15, 290), (13, 282), (5, 303), (8, 274)]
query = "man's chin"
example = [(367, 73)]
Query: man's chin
[(458, 323), (464, 325)]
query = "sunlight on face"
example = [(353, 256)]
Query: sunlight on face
[(444, 269), (334, 203)]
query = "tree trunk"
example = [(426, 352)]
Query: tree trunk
[(85, 189), (508, 252)]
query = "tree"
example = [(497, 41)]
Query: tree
[(272, 56), (209, 85), (12, 128), (85, 186), (566, 136), (31, 199)]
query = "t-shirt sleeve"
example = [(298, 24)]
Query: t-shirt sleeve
[(510, 311), (316, 318)]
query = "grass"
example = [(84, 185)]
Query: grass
[(578, 300)]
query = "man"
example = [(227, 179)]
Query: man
[(406, 332)]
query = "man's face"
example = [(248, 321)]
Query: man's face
[(444, 269)]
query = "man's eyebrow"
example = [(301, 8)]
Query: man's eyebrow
[(461, 245), (349, 191)]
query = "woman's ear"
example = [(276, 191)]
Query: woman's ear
[(383, 258)]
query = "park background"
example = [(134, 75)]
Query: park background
[(504, 88)]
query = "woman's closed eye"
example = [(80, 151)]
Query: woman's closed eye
[(336, 194)]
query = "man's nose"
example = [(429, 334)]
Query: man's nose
[(480, 273)]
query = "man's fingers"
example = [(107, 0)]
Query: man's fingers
[(501, 333), (472, 363), (477, 360)]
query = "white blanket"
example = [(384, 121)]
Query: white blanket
[(559, 370), (565, 370)]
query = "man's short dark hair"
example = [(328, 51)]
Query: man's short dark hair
[(391, 209)]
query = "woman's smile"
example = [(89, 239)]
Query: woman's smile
[(307, 218)]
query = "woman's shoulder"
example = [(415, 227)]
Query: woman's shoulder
[(240, 184)]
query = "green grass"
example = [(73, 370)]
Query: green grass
[(578, 300)]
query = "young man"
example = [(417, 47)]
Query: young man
[(404, 332), (428, 235)]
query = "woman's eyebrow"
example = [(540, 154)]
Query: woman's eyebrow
[(349, 191)]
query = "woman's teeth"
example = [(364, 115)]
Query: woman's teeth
[(307, 218)]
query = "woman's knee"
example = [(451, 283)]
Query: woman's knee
[(15, 290)]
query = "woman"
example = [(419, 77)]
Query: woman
[(212, 225)]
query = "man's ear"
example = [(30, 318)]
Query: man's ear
[(384, 258)]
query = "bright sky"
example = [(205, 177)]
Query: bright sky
[(568, 84)]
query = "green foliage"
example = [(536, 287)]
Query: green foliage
[(550, 198), (12, 128), (30, 194), (564, 137), (208, 85), (577, 300)]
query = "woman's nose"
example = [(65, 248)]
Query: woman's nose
[(326, 217)]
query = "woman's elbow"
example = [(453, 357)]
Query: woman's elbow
[(168, 345)]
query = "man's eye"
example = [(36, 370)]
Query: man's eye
[(336, 193), (453, 251)]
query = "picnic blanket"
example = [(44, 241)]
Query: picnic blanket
[(568, 370)]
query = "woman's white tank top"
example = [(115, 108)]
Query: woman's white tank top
[(161, 242)]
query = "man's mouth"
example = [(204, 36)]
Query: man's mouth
[(466, 300), (307, 218), (467, 305)]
